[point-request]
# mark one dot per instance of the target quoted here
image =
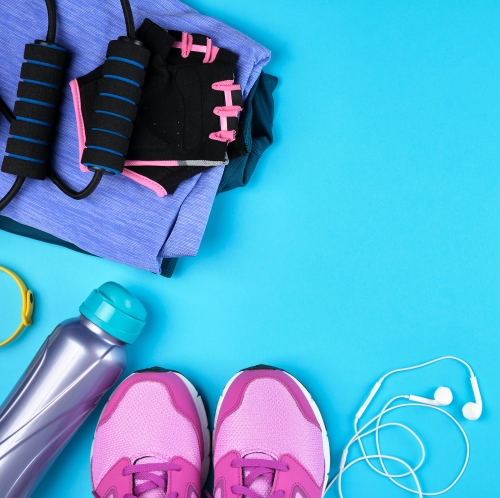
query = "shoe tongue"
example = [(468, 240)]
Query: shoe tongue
[(156, 492), (263, 485)]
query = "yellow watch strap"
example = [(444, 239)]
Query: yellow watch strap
[(28, 303)]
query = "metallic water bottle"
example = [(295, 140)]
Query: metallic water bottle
[(75, 366)]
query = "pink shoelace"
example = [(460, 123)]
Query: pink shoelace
[(144, 472), (258, 467)]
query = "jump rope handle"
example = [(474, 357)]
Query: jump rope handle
[(35, 113), (36, 110), (115, 109)]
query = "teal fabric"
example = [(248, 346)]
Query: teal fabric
[(257, 119)]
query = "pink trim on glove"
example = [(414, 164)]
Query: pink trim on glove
[(136, 162), (77, 102), (146, 182)]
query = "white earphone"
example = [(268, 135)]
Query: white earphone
[(442, 397)]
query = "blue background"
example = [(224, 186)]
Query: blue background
[(367, 240)]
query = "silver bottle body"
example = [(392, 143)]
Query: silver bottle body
[(73, 369)]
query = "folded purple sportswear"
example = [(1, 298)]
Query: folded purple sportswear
[(122, 220)]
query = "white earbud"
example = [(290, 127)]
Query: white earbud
[(473, 409), (442, 397)]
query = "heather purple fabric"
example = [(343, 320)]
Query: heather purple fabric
[(122, 221)]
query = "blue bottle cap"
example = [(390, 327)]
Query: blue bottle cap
[(113, 309)]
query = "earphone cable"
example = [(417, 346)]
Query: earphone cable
[(414, 367), (367, 458), (453, 419), (377, 419), (359, 434), (78, 196)]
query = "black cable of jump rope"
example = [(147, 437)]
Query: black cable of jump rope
[(9, 196), (51, 37), (51, 11), (51, 14), (5, 110), (129, 18), (78, 196)]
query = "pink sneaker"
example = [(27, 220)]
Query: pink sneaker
[(270, 440), (152, 440)]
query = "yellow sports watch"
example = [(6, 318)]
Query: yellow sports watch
[(28, 302)]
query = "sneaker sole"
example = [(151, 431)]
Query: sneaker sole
[(312, 404), (202, 413)]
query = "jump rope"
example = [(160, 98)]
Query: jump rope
[(35, 113)]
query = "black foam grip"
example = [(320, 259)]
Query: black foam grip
[(39, 112), (115, 109), (108, 141), (112, 123), (117, 106), (124, 70), (127, 50), (25, 169), (96, 157), (38, 92), (119, 88), (28, 148), (44, 74), (37, 151), (34, 131), (46, 54)]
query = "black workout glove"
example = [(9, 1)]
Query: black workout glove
[(188, 111)]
